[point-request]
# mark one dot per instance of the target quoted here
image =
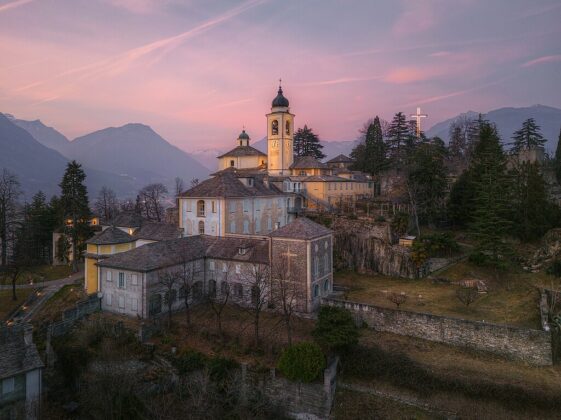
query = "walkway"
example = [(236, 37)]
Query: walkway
[(63, 281)]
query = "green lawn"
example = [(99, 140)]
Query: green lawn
[(512, 299), (41, 273), (7, 304)]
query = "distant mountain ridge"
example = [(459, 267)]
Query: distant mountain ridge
[(134, 153), (508, 120)]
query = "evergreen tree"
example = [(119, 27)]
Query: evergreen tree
[(370, 157), (307, 143), (457, 147), (399, 135), (528, 136), (460, 204), (557, 160), (533, 213), (41, 223), (490, 223), (74, 199)]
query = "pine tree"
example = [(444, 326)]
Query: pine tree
[(533, 213), (74, 199), (528, 136), (457, 145), (490, 223), (39, 219), (399, 134), (307, 143), (370, 156), (557, 160)]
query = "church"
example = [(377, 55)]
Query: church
[(240, 234)]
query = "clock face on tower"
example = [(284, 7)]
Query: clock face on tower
[(288, 144), (275, 144)]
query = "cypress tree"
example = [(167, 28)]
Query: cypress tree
[(307, 143), (528, 136), (74, 200), (490, 223)]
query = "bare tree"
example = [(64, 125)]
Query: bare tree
[(106, 205), (397, 298), (467, 295), (285, 292), (257, 276), (151, 199), (9, 193), (186, 280), (220, 299), (179, 185), (127, 205), (169, 280)]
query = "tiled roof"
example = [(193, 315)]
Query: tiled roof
[(340, 159), (241, 172), (319, 178), (306, 162), (126, 219), (154, 231), (173, 252), (17, 356), (243, 151), (301, 228), (227, 184), (111, 235)]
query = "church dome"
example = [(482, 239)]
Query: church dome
[(280, 100), (243, 136)]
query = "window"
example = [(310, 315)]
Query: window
[(201, 228), (232, 226), (8, 385), (201, 208), (224, 267), (302, 173), (269, 223), (108, 276), (238, 290), (155, 304), (211, 265), (316, 267), (121, 302), (213, 203), (238, 269), (224, 288), (212, 288), (257, 225), (316, 290), (287, 128), (134, 279), (326, 263), (232, 206), (250, 182), (108, 299), (246, 205), (277, 225), (275, 128), (197, 290), (246, 226), (231, 163), (121, 280), (326, 285), (134, 305)]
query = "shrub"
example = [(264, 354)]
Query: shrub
[(467, 295), (302, 362), (380, 219), (555, 268), (478, 258), (189, 361), (397, 298), (335, 329), (219, 367)]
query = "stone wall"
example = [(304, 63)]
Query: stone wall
[(531, 346), (304, 400)]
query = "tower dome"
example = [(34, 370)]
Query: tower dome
[(280, 100), (243, 138)]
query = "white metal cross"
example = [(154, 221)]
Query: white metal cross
[(417, 117)]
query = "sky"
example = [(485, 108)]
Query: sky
[(197, 71)]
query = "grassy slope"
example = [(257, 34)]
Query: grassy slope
[(7, 304)]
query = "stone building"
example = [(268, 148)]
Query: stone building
[(297, 256)]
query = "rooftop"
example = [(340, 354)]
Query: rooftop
[(18, 352), (155, 231), (301, 228), (307, 162), (340, 159), (226, 184), (129, 219), (242, 151), (111, 235)]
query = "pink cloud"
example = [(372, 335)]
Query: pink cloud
[(408, 75), (543, 60), (13, 5)]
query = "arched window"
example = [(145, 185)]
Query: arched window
[(316, 290), (275, 128), (197, 290), (231, 163), (201, 208), (287, 128), (201, 228), (212, 288), (326, 285), (224, 289)]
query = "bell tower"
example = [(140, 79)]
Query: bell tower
[(280, 129)]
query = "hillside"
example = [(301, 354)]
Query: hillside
[(47, 136)]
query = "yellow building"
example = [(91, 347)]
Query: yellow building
[(108, 242), (243, 156)]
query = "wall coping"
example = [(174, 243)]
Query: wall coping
[(442, 317)]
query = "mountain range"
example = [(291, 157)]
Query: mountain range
[(127, 158), (124, 158)]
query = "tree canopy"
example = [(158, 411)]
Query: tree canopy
[(307, 143)]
